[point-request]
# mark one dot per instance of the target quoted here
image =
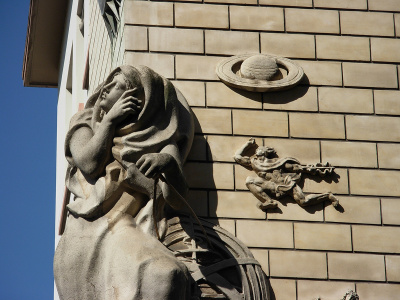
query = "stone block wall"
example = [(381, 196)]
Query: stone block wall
[(345, 111)]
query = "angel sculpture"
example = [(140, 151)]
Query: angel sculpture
[(278, 177)]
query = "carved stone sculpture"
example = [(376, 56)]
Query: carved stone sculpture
[(351, 295), (125, 237), (133, 128), (259, 73), (279, 177)]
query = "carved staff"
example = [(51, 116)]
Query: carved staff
[(317, 168)]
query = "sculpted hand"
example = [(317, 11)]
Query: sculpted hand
[(126, 105), (292, 167), (251, 144), (153, 164), (141, 183)]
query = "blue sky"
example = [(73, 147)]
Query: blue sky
[(27, 178)]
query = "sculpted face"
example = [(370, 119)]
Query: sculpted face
[(112, 92), (267, 152)]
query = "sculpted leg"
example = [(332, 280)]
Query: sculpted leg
[(165, 279), (255, 186), (312, 199)]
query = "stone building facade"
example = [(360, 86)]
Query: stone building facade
[(345, 111)]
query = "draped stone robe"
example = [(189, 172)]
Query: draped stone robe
[(110, 249)]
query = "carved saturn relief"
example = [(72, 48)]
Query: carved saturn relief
[(259, 73)]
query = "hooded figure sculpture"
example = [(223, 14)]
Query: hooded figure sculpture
[(135, 127)]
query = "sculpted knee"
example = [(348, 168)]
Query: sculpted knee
[(170, 271), (166, 279), (249, 181)]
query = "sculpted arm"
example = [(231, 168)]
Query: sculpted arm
[(239, 155), (174, 171), (90, 152)]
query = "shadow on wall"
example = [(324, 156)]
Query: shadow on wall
[(285, 97), (199, 172), (233, 272)]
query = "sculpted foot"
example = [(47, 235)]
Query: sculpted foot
[(334, 200), (266, 205)]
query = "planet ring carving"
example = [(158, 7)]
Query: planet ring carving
[(259, 72)]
